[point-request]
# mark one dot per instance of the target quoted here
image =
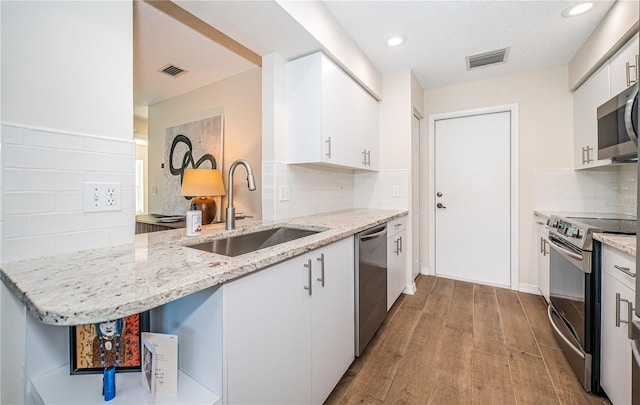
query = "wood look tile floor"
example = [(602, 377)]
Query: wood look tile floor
[(461, 343)]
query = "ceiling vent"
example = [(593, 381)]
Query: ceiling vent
[(171, 70), (487, 59)]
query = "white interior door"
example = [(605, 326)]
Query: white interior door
[(472, 197)]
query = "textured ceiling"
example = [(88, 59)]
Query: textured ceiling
[(440, 34)]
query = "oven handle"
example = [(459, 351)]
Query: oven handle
[(566, 251), (562, 336)]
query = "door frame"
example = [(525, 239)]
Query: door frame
[(514, 246)]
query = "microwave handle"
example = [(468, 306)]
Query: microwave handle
[(628, 112)]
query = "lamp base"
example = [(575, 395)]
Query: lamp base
[(208, 207)]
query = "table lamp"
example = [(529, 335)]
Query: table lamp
[(203, 185)]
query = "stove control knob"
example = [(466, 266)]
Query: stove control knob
[(578, 234)]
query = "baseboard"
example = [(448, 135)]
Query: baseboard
[(410, 289), (529, 288)]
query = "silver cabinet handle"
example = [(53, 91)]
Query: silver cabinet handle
[(631, 81), (401, 247), (589, 149), (440, 205), (321, 260), (364, 157), (625, 270), (328, 154), (310, 286), (542, 245), (369, 158), (397, 251), (629, 315)]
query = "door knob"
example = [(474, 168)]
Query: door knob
[(439, 205), (438, 194)]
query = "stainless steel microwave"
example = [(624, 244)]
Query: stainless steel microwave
[(618, 126)]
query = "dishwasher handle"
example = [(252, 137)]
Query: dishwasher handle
[(376, 232)]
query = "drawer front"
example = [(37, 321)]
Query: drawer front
[(619, 265), (397, 225)]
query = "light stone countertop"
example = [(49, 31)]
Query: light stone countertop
[(98, 285), (625, 243)]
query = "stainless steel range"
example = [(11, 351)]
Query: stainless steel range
[(574, 284)]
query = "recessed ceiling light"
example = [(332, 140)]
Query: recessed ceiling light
[(396, 40), (577, 9)]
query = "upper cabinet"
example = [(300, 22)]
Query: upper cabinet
[(586, 101), (615, 75), (623, 67), (330, 118)]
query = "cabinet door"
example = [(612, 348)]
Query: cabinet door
[(618, 72), (333, 328), (615, 373), (396, 260), (586, 101), (267, 329), (341, 107), (543, 261)]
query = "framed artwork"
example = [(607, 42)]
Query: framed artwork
[(117, 342), (192, 145)]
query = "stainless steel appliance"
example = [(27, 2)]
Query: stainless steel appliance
[(574, 284), (370, 283), (618, 126), (635, 324)]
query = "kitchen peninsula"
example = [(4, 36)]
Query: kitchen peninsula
[(182, 288)]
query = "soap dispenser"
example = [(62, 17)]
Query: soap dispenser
[(194, 221)]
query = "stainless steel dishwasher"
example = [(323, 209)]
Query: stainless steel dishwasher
[(370, 283)]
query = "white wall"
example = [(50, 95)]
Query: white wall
[(67, 70), (239, 99), (546, 135)]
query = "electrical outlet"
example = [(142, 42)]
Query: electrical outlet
[(284, 193), (102, 197)]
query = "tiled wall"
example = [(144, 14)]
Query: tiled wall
[(43, 174), (321, 189), (609, 189)]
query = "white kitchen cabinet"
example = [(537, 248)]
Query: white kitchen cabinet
[(623, 69), (286, 343), (396, 259), (586, 100), (543, 259), (617, 297), (331, 119)]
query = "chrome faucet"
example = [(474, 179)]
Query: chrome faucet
[(251, 182)]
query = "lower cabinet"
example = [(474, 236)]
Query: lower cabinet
[(396, 259), (289, 329), (617, 297), (543, 260)]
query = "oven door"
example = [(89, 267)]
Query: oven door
[(569, 269)]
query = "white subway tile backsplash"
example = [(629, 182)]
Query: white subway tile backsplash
[(13, 180), (69, 201), (28, 203), (49, 180), (26, 157), (91, 162), (55, 140), (11, 134), (609, 189), (75, 241), (44, 224), (43, 175), (15, 249), (110, 146), (122, 164), (14, 226)]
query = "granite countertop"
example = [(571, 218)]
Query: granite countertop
[(625, 243), (97, 285)]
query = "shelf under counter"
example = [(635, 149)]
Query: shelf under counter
[(54, 387)]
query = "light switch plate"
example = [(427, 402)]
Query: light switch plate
[(100, 197), (284, 193), (395, 191)]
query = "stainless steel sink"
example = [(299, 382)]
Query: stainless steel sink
[(241, 244)]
